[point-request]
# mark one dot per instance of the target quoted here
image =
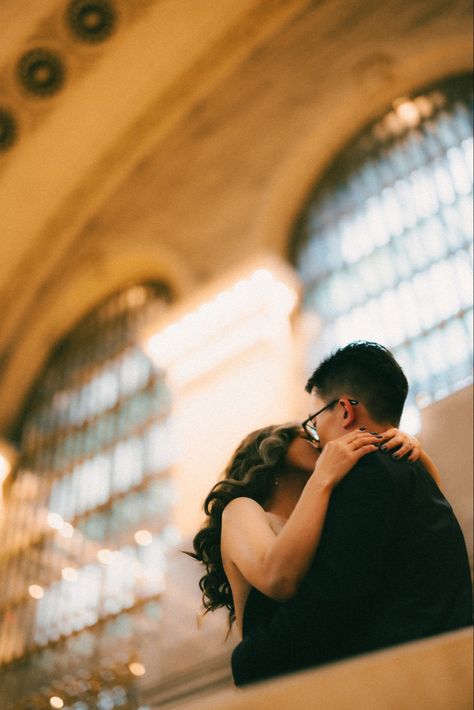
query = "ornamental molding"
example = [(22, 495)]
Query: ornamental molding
[(61, 48)]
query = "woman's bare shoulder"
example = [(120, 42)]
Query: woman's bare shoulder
[(243, 514), (240, 505)]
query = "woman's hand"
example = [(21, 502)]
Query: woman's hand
[(403, 443), (340, 455)]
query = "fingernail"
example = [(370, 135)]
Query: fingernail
[(362, 428), (395, 457), (383, 448)]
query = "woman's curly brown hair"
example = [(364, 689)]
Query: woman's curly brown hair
[(251, 473)]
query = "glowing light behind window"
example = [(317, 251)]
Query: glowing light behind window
[(8, 455), (36, 591), (137, 669), (252, 310), (96, 451), (4, 468)]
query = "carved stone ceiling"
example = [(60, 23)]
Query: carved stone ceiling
[(183, 142)]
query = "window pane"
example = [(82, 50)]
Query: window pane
[(96, 441), (396, 207)]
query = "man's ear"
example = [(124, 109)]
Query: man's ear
[(348, 414)]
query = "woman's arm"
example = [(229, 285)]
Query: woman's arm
[(431, 467), (276, 564)]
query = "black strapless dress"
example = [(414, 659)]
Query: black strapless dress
[(258, 609)]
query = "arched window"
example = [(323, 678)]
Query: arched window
[(384, 246), (86, 524)]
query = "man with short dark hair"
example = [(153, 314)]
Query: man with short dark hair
[(391, 565), (370, 373)]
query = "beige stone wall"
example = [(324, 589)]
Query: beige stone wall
[(447, 435), (435, 674)]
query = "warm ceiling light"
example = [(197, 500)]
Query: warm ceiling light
[(36, 591), (143, 537), (137, 668), (56, 702), (252, 310), (407, 112)]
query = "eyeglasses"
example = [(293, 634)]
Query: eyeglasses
[(309, 425)]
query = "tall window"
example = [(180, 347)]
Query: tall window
[(384, 245), (86, 525)]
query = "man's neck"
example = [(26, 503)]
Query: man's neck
[(371, 425)]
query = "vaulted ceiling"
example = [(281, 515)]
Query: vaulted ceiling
[(148, 139)]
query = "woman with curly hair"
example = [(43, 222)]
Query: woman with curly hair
[(265, 517)]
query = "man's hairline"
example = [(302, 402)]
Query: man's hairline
[(315, 391)]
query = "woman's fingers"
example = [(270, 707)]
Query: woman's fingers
[(392, 443), (354, 440), (403, 446), (403, 450), (390, 433), (359, 435), (415, 452), (365, 439), (363, 450)]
